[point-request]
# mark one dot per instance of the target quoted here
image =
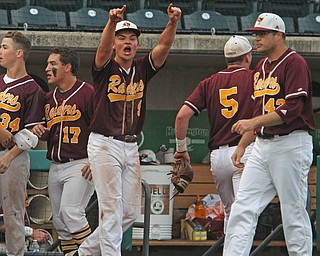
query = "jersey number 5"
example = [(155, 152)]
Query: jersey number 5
[(231, 105)]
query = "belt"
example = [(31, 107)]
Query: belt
[(270, 136), (232, 144), (126, 138)]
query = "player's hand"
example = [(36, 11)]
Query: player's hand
[(116, 14), (178, 155), (243, 126), (5, 162), (6, 138), (174, 13), (86, 172), (236, 157), (39, 235), (41, 131)]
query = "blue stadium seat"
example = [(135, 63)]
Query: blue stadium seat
[(309, 23), (286, 8), (38, 16), (4, 22), (229, 7), (187, 6), (132, 5), (89, 17), (150, 19), (210, 21), (60, 5), (249, 21)]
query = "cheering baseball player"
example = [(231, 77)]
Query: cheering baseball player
[(227, 96), (22, 102), (282, 153), (68, 112), (120, 84)]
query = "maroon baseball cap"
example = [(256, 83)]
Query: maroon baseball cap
[(268, 21)]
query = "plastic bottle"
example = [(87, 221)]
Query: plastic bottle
[(200, 210), (34, 247)]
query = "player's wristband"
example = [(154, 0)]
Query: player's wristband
[(181, 145), (28, 231)]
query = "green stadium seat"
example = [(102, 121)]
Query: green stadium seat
[(309, 23), (89, 17), (150, 19), (38, 16), (210, 22), (60, 5), (249, 21)]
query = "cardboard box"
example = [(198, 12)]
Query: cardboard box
[(192, 230)]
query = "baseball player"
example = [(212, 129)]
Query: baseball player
[(68, 112), (282, 153), (21, 101), (120, 105), (227, 96)]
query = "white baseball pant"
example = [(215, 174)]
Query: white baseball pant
[(278, 165), (117, 180), (227, 176), (69, 194)]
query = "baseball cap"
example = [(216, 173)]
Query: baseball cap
[(128, 25), (269, 21), (236, 46)]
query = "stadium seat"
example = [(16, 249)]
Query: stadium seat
[(89, 18), (132, 5), (150, 19), (4, 22), (13, 4), (210, 21), (286, 8), (249, 20), (229, 7), (38, 16), (187, 6), (309, 23), (60, 5)]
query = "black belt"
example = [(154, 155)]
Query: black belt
[(126, 138), (270, 136), (232, 144)]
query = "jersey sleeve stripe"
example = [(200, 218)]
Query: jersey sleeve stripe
[(151, 62), (193, 107), (294, 95)]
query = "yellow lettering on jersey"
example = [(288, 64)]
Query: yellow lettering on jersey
[(120, 93), (61, 113), (268, 86), (9, 102)]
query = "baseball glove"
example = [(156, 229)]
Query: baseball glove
[(181, 175)]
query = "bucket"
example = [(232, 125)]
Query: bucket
[(39, 209), (38, 179), (161, 208)]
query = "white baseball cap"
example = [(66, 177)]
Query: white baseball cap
[(128, 25), (236, 46), (269, 21)]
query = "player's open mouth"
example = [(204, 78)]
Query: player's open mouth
[(127, 49)]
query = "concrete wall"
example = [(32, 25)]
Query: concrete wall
[(193, 57)]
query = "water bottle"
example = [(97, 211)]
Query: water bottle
[(34, 247)]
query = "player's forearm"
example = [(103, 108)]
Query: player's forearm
[(14, 152), (104, 50), (269, 119), (247, 139)]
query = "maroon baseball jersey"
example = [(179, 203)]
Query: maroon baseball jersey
[(68, 116), (22, 104), (227, 96), (284, 86), (120, 97)]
